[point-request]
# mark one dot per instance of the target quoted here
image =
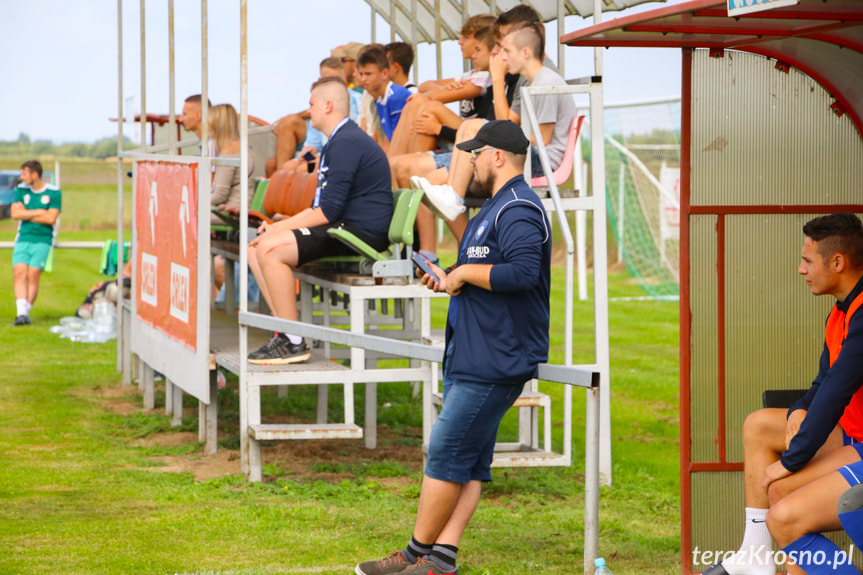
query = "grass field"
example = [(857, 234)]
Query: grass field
[(83, 487)]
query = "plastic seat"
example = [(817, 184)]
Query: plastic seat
[(231, 216), (564, 170), (401, 232)]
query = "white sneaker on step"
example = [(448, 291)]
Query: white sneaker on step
[(442, 200)]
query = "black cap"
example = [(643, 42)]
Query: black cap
[(500, 134)]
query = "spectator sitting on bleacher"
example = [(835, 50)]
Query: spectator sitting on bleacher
[(425, 117), (790, 456), (522, 50), (389, 98), (401, 57), (225, 130), (293, 129), (353, 192), (191, 121), (295, 126)]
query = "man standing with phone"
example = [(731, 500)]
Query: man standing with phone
[(496, 336)]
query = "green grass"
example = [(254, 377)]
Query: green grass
[(80, 493)]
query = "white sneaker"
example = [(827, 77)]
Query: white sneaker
[(442, 200)]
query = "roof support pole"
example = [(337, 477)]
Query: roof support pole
[(437, 33), (143, 76), (205, 83), (172, 120), (122, 359)]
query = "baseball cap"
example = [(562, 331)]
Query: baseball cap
[(350, 50), (500, 134)]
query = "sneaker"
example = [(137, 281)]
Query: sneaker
[(22, 320), (442, 200), (426, 567), (395, 562), (280, 351)]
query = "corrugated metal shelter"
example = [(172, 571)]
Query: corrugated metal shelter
[(771, 136)]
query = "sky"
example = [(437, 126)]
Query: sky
[(59, 59)]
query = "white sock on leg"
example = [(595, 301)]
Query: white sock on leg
[(22, 306), (755, 556)]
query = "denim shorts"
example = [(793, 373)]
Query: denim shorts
[(441, 159), (462, 440)]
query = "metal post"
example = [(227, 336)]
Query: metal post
[(438, 39), (143, 78), (120, 120), (205, 97), (621, 213), (172, 120), (600, 259), (591, 479), (580, 175)]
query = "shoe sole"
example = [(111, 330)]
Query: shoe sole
[(282, 360)]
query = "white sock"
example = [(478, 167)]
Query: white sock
[(294, 339), (755, 556), (23, 306)]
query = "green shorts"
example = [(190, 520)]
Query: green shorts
[(33, 254)]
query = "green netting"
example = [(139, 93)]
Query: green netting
[(642, 156)]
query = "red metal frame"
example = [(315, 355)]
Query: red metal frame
[(685, 312)]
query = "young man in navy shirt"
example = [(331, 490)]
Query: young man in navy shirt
[(353, 192), (496, 336), (790, 457)]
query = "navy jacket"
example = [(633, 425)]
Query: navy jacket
[(830, 393), (500, 336), (354, 182)]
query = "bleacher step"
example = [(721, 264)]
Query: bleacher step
[(272, 432)]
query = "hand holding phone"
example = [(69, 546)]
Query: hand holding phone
[(423, 264)]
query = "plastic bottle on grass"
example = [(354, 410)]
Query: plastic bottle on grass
[(601, 569)]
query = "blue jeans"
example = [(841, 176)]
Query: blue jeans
[(462, 440)]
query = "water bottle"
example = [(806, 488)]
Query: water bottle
[(601, 569)]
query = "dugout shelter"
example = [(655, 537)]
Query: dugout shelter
[(771, 136)]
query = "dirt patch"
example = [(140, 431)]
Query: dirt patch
[(122, 400), (307, 460), (317, 459)]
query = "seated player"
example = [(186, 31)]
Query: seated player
[(790, 457)]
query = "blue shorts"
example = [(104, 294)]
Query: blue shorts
[(441, 159), (461, 447), (33, 254), (853, 472)]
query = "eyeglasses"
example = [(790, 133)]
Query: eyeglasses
[(344, 59), (478, 151)]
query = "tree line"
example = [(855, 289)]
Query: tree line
[(100, 149)]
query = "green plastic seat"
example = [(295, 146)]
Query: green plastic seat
[(232, 222), (401, 232)]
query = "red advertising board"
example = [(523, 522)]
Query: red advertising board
[(166, 222)]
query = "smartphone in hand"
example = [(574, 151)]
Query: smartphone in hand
[(423, 264)]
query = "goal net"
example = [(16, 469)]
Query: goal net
[(642, 180)]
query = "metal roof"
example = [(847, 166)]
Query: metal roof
[(822, 38), (400, 13)]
